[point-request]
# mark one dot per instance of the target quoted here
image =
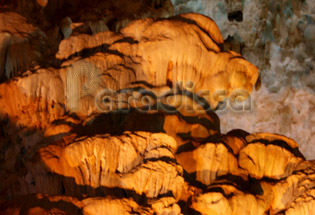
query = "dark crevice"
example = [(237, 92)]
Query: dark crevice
[(187, 147), (235, 16), (186, 210), (191, 179), (62, 191), (164, 158)]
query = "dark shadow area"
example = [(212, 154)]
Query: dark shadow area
[(235, 16), (44, 203), (154, 117), (186, 147), (238, 133), (117, 123), (186, 210), (88, 52), (234, 43), (191, 179), (25, 204), (129, 40), (250, 186)]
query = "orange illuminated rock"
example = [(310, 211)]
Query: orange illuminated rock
[(260, 158), (209, 162), (195, 55), (20, 44), (133, 161), (123, 122)]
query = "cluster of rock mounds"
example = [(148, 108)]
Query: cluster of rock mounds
[(140, 172), (62, 155)]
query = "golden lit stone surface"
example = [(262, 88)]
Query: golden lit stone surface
[(122, 122)]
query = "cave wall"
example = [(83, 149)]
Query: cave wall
[(278, 37)]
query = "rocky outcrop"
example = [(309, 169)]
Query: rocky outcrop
[(21, 44), (144, 172), (142, 162), (123, 123), (277, 37), (30, 31)]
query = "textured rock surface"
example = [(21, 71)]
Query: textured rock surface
[(121, 122), (277, 37), (37, 27)]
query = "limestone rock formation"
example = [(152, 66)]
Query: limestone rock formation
[(123, 123), (277, 37), (30, 31), (21, 44)]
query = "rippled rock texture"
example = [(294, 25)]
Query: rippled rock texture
[(122, 122)]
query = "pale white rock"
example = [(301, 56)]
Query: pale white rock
[(65, 27), (98, 26), (121, 24)]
